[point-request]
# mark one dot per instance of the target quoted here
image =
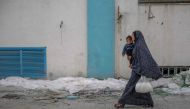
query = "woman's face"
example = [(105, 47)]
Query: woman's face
[(133, 37)]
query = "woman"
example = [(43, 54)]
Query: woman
[(142, 65)]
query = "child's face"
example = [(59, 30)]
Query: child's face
[(129, 41)]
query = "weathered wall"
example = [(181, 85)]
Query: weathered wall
[(167, 34), (36, 23)]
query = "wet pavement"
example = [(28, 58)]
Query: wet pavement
[(20, 98)]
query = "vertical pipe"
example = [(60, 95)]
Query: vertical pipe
[(175, 71)]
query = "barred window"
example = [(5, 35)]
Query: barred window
[(164, 1)]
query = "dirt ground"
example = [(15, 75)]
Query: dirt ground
[(20, 98)]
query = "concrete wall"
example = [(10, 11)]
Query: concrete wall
[(36, 23), (167, 34)]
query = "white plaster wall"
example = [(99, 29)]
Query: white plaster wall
[(167, 35), (35, 23)]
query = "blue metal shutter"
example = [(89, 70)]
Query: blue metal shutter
[(24, 62), (9, 63)]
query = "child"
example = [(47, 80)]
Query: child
[(128, 48)]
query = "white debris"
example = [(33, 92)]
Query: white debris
[(162, 82), (180, 91), (71, 84), (179, 84), (182, 77), (173, 86), (76, 84)]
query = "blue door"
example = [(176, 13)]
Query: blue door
[(101, 38)]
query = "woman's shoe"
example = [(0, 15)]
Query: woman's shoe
[(150, 105), (118, 105)]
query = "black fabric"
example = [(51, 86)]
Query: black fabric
[(131, 97), (143, 63)]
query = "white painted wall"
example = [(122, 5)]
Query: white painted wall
[(167, 35), (35, 23)]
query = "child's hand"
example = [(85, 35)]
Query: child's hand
[(130, 66)]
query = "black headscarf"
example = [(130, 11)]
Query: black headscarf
[(143, 63)]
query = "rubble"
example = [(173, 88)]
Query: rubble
[(12, 96)]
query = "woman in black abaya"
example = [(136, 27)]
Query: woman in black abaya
[(142, 65)]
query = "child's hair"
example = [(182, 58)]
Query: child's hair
[(129, 37)]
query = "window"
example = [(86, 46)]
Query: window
[(24, 62), (169, 71), (164, 1)]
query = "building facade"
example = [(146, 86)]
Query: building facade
[(85, 38)]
